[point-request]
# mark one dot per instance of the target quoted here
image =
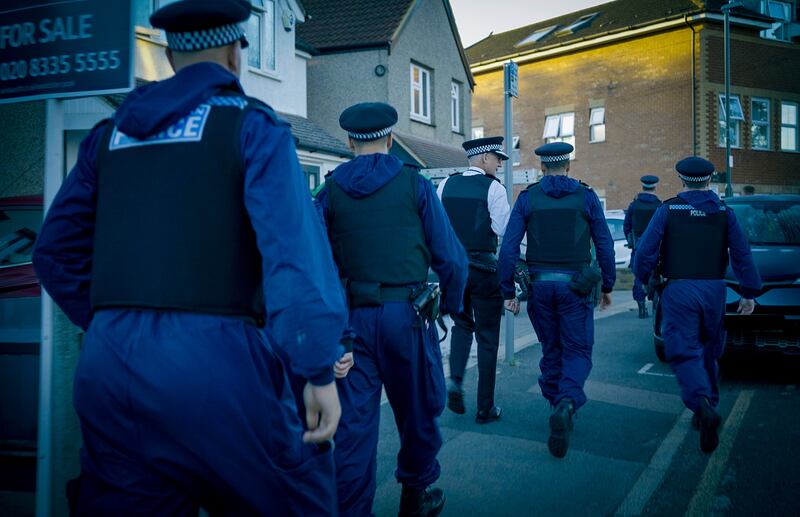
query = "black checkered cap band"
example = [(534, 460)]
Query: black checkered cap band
[(370, 136), (555, 158), (694, 179), (491, 148), (207, 38)]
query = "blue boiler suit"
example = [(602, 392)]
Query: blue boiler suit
[(639, 293), (693, 311), (180, 409), (392, 350), (563, 320)]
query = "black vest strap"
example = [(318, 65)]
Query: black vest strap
[(465, 199), (695, 243), (172, 231), (379, 238), (641, 213), (558, 230)]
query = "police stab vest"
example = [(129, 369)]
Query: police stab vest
[(379, 238), (641, 213), (172, 231), (465, 199), (695, 243), (558, 230)]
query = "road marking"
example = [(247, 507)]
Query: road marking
[(655, 472), (628, 397), (703, 499), (645, 370)]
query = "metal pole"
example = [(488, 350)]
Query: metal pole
[(509, 182), (53, 177), (726, 10)]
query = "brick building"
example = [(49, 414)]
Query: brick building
[(636, 85)]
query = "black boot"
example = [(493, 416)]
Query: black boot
[(642, 310), (415, 502), (709, 426), (455, 397), (560, 427)]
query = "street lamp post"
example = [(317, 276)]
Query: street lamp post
[(726, 11)]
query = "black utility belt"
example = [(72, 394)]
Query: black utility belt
[(374, 294), (483, 261), (547, 276), (582, 282)]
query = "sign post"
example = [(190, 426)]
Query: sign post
[(511, 89)]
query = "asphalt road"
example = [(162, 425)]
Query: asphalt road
[(632, 452)]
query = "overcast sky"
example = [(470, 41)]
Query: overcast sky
[(477, 18)]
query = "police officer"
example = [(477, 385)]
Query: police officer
[(477, 205), (637, 217), (561, 216), (184, 227), (386, 227), (688, 240)]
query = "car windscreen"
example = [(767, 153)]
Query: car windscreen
[(615, 227), (18, 229), (769, 222)]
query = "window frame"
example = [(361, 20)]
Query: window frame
[(424, 87), (737, 118), (776, 32), (477, 132), (795, 126), (455, 106), (580, 23), (593, 125), (560, 135), (536, 36), (760, 123), (261, 11)]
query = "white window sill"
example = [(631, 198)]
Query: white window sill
[(264, 73), (419, 118)]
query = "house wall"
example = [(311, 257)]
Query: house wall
[(427, 39), (22, 148), (759, 68), (337, 81), (644, 85)]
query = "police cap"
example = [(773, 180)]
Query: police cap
[(649, 181), (192, 25), (694, 169), (554, 152), (368, 120), (490, 144)]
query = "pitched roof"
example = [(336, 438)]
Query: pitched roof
[(431, 154), (616, 16), (312, 137), (351, 24)]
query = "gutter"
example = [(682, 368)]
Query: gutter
[(623, 33)]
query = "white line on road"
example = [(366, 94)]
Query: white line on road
[(703, 499), (656, 470), (645, 370)]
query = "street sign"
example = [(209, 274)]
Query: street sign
[(64, 49), (511, 79)]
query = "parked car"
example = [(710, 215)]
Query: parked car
[(20, 335), (622, 253), (772, 226)]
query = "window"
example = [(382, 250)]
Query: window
[(597, 125), (311, 172), (455, 107), (560, 128), (420, 93), (759, 129), (536, 36), (782, 12), (261, 35), (142, 9), (737, 116), (789, 126), (580, 23), (516, 156), (477, 132)]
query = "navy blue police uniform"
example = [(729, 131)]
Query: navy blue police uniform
[(688, 241), (168, 244), (386, 227), (637, 217), (477, 205), (561, 217)]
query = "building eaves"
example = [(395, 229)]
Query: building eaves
[(612, 17), (433, 155), (311, 137)]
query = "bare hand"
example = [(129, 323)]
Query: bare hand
[(343, 365), (512, 305), (605, 301), (322, 412), (746, 306)]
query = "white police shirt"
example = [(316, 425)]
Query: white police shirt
[(499, 210)]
